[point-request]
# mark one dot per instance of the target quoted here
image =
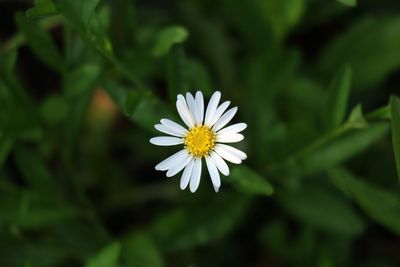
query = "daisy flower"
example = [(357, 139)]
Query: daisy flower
[(203, 138)]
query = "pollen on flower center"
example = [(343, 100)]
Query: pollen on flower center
[(200, 141)]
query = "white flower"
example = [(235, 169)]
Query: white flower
[(203, 138)]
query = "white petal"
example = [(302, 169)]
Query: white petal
[(195, 177), (166, 141), (225, 119), (220, 163), (173, 126), (238, 153), (165, 129), (192, 107), (229, 137), (214, 174), (212, 107), (170, 161), (186, 174), (179, 166), (218, 113), (235, 128), (226, 154), (199, 107), (184, 112)]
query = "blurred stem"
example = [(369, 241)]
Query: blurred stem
[(52, 22), (318, 143), (68, 35), (84, 201), (126, 72), (378, 114), (67, 155)]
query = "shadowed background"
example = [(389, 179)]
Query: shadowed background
[(83, 82)]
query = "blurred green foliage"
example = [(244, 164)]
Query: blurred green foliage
[(83, 82)]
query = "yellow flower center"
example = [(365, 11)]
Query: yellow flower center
[(200, 141)]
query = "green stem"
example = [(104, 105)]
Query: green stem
[(378, 114)]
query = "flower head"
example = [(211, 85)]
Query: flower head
[(203, 138)]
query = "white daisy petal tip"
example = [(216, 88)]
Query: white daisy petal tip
[(166, 141), (187, 173), (217, 93), (202, 139)]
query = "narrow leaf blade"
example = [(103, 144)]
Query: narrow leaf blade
[(168, 37), (42, 9), (324, 209), (332, 152), (351, 3), (381, 205), (40, 42), (177, 76), (107, 257), (337, 98), (395, 125), (247, 181), (139, 249)]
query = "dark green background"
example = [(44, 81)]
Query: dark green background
[(83, 82)]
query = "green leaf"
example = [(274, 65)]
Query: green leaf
[(324, 209), (118, 94), (356, 118), (382, 113), (149, 110), (7, 98), (169, 37), (55, 109), (15, 252), (284, 244), (177, 75), (282, 15), (139, 250), (395, 126), (198, 77), (6, 144), (40, 42), (33, 169), (348, 2), (79, 12), (218, 48), (337, 98), (9, 80), (380, 35), (381, 205), (336, 149), (200, 225), (7, 61), (16, 121), (75, 122), (81, 80), (78, 86), (247, 181), (143, 107), (107, 257), (42, 9), (31, 210)]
